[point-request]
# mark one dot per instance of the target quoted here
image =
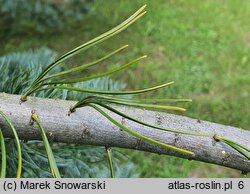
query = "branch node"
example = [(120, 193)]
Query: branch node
[(158, 119), (33, 113), (176, 138), (123, 121), (225, 157), (216, 138), (71, 110), (23, 99), (85, 132)]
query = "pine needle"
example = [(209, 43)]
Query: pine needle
[(37, 82), (110, 161), (3, 152), (52, 162), (238, 147), (139, 136), (19, 154)]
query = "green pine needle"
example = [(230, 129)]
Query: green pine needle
[(84, 66), (3, 151), (238, 147), (19, 154), (110, 161), (109, 92), (139, 136), (52, 162), (136, 120), (130, 102), (127, 103), (65, 81), (150, 106), (145, 100), (36, 84)]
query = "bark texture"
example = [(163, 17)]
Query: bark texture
[(87, 126)]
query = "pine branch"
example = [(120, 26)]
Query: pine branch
[(87, 126)]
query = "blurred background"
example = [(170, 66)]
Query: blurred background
[(204, 46)]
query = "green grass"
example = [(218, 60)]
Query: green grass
[(204, 46)]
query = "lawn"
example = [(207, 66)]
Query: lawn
[(204, 46)]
